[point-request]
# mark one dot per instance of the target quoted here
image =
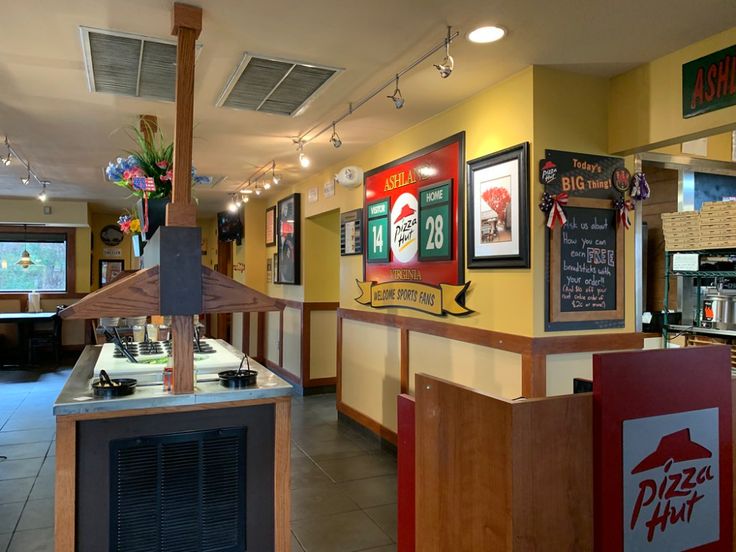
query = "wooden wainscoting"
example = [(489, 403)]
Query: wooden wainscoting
[(533, 351), (304, 379)]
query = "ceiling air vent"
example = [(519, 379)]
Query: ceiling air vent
[(274, 85), (130, 65)]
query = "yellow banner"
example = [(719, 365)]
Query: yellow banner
[(413, 295)]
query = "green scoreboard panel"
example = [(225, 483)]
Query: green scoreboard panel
[(378, 238), (435, 222)]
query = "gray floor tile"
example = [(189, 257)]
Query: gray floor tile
[(26, 436), (334, 448), (375, 491), (36, 540), (43, 487), (15, 490), (389, 548), (5, 541), (15, 469), (385, 518), (26, 450), (9, 515), (347, 532), (295, 546), (304, 473), (20, 423), (38, 514), (359, 467), (295, 452), (319, 501)]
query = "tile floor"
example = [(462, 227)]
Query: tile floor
[(343, 485)]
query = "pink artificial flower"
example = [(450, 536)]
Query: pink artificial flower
[(167, 176), (125, 227), (127, 175), (162, 164)]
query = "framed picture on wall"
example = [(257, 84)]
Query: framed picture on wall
[(271, 226), (269, 270), (109, 270), (498, 209), (288, 236), (275, 268)]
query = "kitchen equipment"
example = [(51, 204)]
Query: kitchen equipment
[(238, 378), (719, 311), (107, 388), (119, 345)]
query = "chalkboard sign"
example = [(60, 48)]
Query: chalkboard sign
[(586, 270)]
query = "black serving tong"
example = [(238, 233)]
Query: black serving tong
[(197, 339), (114, 336)]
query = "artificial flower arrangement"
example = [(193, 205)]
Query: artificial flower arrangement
[(129, 223), (154, 159)]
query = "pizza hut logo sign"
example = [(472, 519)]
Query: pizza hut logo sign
[(671, 481), (547, 171), (404, 229)]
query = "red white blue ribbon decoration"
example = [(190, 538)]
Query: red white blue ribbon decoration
[(639, 187), (623, 207), (556, 211)]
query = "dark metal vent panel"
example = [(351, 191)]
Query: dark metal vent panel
[(274, 85), (179, 493), (130, 65)]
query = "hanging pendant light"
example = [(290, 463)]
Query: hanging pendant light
[(25, 257)]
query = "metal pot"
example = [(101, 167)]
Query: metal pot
[(720, 311)]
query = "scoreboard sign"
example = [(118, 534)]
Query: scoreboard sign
[(414, 241)]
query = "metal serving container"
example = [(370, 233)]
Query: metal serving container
[(719, 311)]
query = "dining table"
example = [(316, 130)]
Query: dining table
[(24, 321)]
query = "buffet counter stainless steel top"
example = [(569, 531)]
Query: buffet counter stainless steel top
[(77, 398)]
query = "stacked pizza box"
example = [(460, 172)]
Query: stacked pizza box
[(718, 224), (681, 231)]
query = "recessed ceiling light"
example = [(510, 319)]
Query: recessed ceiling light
[(484, 35)]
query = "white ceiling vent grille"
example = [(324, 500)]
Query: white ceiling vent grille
[(130, 65), (274, 85)]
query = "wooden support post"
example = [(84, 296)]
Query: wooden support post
[(66, 473), (187, 24), (182, 353)]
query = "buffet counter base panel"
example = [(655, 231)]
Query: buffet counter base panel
[(117, 457)]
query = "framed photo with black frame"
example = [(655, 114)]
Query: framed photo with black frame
[(271, 226), (498, 209), (288, 240), (109, 270)]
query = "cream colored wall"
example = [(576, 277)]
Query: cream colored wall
[(645, 110), (719, 148), (489, 370), (323, 345), (30, 211), (561, 369), (291, 341), (372, 378), (272, 337)]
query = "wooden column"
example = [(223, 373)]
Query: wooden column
[(186, 25)]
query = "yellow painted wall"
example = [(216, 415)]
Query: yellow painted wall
[(373, 375), (719, 148), (321, 245), (645, 110)]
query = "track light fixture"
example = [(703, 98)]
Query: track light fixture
[(26, 179), (43, 196), (335, 139), (396, 97), (232, 206), (448, 64), (274, 177), (266, 185), (258, 191), (304, 161)]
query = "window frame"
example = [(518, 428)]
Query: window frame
[(71, 257)]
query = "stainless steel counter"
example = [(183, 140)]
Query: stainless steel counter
[(77, 398)]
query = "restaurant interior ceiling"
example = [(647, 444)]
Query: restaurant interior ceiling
[(69, 133)]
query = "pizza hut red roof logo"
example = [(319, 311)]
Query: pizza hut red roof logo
[(671, 493), (677, 447), (406, 211), (547, 171)]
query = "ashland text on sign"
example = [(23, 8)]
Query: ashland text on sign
[(437, 300), (709, 83)]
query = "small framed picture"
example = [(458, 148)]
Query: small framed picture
[(275, 268), (288, 235), (109, 270), (269, 270), (498, 209), (271, 226)]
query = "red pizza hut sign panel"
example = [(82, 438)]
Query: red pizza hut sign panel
[(413, 232), (663, 457), (392, 194)]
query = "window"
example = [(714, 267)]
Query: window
[(49, 253)]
